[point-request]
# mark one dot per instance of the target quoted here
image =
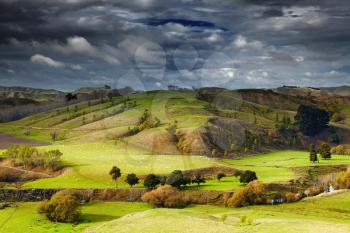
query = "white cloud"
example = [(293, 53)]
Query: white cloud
[(79, 45), (241, 42), (41, 59)]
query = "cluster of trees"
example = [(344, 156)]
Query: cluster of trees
[(340, 150), (146, 121), (30, 157), (151, 181), (176, 179), (324, 150), (311, 120)]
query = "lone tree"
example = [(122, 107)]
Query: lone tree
[(132, 179), (247, 177), (313, 153), (311, 120), (151, 181), (115, 173), (176, 179), (198, 180), (220, 175), (325, 151)]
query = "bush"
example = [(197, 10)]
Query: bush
[(292, 197), (250, 195), (342, 180), (247, 177), (166, 196), (61, 208)]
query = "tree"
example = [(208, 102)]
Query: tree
[(176, 179), (198, 180), (325, 151), (311, 120), (132, 179), (247, 177), (70, 97), (115, 173), (220, 175), (151, 181), (61, 208), (313, 153)]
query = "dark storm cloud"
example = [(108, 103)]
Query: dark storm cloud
[(153, 43)]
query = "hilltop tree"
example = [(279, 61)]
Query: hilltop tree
[(311, 120), (313, 153), (132, 179), (198, 180), (115, 174), (325, 151), (151, 181), (247, 177), (220, 175)]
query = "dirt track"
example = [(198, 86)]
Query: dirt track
[(8, 140)]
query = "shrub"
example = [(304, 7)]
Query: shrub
[(247, 177), (292, 197), (165, 196), (61, 208), (250, 195), (342, 180)]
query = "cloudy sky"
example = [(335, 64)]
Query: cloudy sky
[(150, 44)]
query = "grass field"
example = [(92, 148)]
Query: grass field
[(89, 165), (313, 215), (24, 218)]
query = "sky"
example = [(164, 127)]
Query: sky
[(150, 44)]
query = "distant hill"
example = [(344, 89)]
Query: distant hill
[(342, 90), (35, 94), (210, 121)]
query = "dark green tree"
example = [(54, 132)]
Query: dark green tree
[(151, 181), (132, 179), (313, 153), (247, 177), (311, 120), (115, 174), (198, 180), (176, 179), (220, 175), (325, 151)]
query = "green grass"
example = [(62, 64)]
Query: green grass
[(24, 218), (327, 214), (90, 164)]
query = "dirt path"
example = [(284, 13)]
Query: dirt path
[(8, 140)]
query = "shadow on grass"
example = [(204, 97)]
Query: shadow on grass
[(84, 218)]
